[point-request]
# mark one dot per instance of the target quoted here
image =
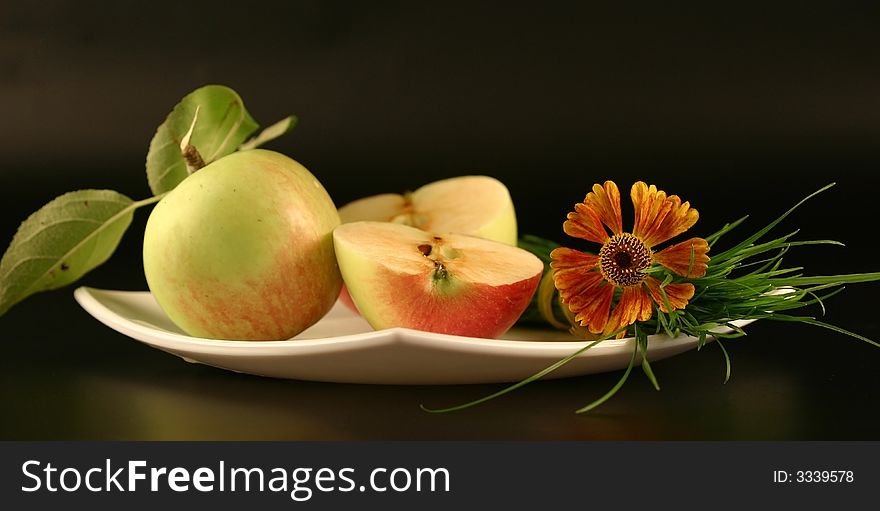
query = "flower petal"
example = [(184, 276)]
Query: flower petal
[(572, 271), (585, 292), (563, 258), (591, 308), (584, 223), (605, 201), (677, 294), (634, 305), (678, 257), (659, 218), (650, 207)]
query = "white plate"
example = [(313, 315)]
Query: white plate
[(342, 347)]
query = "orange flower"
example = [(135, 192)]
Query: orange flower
[(587, 282)]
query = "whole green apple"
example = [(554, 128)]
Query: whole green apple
[(243, 249)]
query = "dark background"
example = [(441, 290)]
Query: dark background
[(740, 110)]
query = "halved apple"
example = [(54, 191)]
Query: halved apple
[(400, 276), (476, 205)]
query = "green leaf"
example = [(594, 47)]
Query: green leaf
[(271, 133), (223, 125), (62, 241)]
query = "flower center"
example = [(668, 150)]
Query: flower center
[(623, 260)]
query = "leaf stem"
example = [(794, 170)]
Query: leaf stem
[(148, 201)]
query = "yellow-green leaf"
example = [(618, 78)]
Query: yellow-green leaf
[(271, 133)]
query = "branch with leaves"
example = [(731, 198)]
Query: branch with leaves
[(78, 231)]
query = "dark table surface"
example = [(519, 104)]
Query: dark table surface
[(63, 375)]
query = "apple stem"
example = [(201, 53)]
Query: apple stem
[(189, 152), (192, 158)]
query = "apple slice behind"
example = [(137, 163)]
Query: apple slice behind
[(476, 205), (400, 276)]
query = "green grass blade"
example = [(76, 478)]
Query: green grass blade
[(642, 340), (712, 238), (608, 395), (540, 374), (726, 360), (758, 235), (815, 322), (826, 279)]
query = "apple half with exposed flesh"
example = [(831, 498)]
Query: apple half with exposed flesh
[(400, 276), (476, 205)]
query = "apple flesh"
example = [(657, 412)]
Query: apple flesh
[(243, 249), (476, 205), (400, 276)]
